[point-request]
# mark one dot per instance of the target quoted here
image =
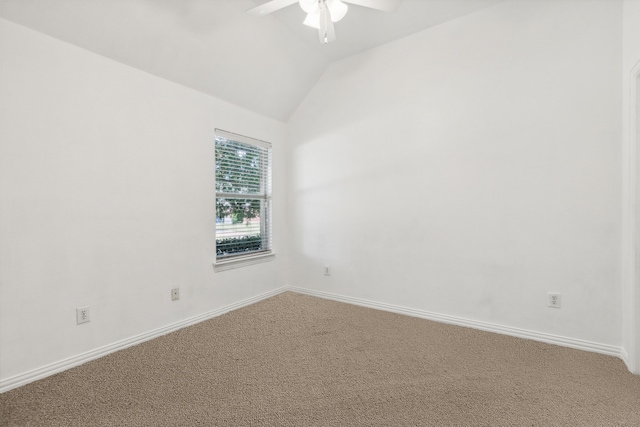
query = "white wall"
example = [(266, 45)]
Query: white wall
[(630, 187), (470, 169), (107, 200)]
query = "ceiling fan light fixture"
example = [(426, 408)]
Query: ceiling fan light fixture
[(321, 14), (337, 11)]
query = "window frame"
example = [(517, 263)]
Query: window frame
[(232, 261)]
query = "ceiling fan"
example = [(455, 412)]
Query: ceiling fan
[(321, 14)]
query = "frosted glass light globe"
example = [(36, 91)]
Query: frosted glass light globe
[(309, 6), (337, 9)]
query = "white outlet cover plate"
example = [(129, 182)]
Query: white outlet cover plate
[(83, 315), (555, 300)]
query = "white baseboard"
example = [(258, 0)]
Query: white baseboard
[(53, 368), (625, 358), (62, 365), (475, 324)]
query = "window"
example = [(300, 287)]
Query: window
[(243, 197)]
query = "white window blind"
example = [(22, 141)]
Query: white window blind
[(243, 195)]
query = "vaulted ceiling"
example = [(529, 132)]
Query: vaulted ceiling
[(266, 64)]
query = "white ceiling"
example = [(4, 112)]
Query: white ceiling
[(266, 64)]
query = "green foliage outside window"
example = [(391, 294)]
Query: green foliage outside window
[(238, 171), (236, 245)]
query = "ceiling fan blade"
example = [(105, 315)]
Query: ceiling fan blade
[(383, 5), (271, 6), (327, 32)]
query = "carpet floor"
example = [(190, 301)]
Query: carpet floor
[(296, 360)]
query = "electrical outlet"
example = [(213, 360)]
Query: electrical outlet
[(554, 300), (175, 294), (327, 272), (83, 315)]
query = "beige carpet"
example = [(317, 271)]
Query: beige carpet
[(295, 360)]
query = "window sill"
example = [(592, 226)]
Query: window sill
[(243, 261)]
